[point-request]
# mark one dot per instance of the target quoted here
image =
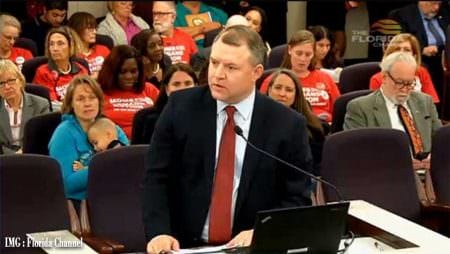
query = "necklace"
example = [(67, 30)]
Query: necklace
[(66, 72), (156, 69)]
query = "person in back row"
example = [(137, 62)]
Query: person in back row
[(120, 23), (318, 87), (61, 68), (123, 82), (178, 45), (9, 32), (85, 25), (408, 43), (54, 16)]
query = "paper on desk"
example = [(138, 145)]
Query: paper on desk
[(61, 241), (202, 250)]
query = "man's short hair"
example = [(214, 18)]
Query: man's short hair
[(169, 3), (388, 61), (242, 35)]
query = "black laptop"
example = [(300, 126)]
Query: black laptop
[(312, 229)]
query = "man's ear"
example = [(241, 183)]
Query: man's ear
[(257, 72)]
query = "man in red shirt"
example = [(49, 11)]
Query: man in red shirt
[(178, 45)]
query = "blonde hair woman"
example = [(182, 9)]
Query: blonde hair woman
[(406, 42), (16, 107)]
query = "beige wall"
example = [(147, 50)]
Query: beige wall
[(96, 8), (296, 17)]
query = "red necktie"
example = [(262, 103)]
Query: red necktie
[(408, 123), (220, 210)]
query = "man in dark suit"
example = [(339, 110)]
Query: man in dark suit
[(427, 20), (186, 162)]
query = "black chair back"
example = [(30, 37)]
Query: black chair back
[(41, 91), (32, 195), (143, 126), (440, 165), (375, 165), (340, 108), (357, 76), (28, 44), (38, 131), (104, 40), (263, 77), (29, 67), (114, 193), (276, 56)]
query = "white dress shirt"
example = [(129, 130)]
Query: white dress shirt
[(242, 118), (15, 122), (396, 122)]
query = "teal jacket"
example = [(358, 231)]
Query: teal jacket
[(69, 143)]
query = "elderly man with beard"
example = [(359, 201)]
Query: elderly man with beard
[(178, 45), (396, 105)]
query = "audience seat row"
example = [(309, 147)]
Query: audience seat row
[(369, 164)]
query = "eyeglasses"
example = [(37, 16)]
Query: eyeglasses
[(10, 38), (400, 84), (161, 13), (10, 82)]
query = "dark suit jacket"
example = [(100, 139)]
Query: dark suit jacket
[(32, 106), (180, 166), (411, 22)]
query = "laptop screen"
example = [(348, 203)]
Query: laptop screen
[(312, 229)]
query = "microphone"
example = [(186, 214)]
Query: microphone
[(239, 132)]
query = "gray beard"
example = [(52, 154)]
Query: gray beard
[(161, 28)]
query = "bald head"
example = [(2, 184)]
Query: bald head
[(236, 20)]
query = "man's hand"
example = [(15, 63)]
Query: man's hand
[(423, 164), (430, 50), (162, 243), (76, 165), (426, 162), (243, 239)]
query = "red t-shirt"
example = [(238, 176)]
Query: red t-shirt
[(19, 56), (121, 105), (424, 77), (96, 58), (319, 90), (180, 47), (47, 75)]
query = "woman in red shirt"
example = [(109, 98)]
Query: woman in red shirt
[(123, 82), (61, 68), (10, 29), (85, 25), (318, 87), (406, 42)]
